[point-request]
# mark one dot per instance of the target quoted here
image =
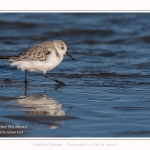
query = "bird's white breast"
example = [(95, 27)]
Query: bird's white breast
[(40, 66)]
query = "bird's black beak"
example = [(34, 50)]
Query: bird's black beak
[(70, 55)]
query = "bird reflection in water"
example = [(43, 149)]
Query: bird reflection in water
[(40, 108), (40, 104)]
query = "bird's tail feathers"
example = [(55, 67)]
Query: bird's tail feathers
[(5, 57), (8, 57)]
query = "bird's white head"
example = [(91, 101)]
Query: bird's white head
[(61, 47)]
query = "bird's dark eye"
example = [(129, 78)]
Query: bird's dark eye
[(62, 48)]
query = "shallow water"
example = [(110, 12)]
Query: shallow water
[(107, 87)]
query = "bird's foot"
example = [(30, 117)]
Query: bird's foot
[(59, 82)]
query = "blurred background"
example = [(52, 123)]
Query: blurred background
[(107, 86)]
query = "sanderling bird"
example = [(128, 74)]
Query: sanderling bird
[(40, 58)]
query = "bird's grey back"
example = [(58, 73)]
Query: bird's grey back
[(37, 52)]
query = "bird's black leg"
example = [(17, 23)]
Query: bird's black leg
[(25, 89), (51, 78), (25, 79)]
